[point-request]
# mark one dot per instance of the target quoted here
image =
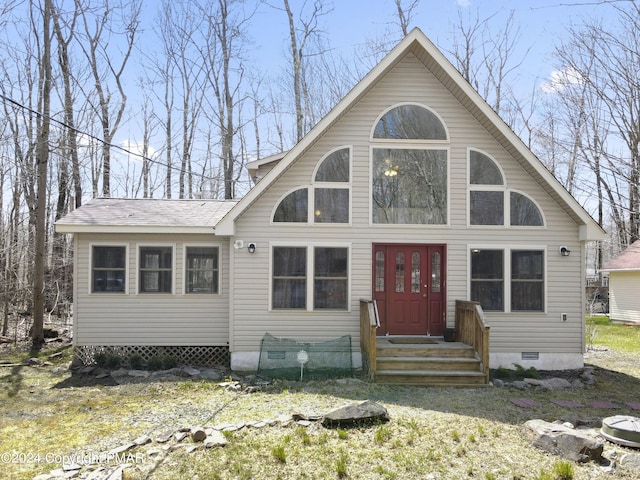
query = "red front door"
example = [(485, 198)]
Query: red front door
[(409, 288)]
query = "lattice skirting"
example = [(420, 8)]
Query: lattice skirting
[(187, 355)]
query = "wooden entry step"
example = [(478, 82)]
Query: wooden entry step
[(427, 361)]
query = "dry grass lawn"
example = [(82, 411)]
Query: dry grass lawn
[(438, 433)]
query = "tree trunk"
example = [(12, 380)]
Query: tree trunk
[(37, 334)]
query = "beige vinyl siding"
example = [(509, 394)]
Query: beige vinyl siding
[(150, 319), (511, 332), (624, 301)]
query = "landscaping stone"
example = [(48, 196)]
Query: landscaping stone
[(180, 436), (164, 437), (553, 383), (211, 374), (366, 412), (574, 445), (138, 373), (216, 439), (630, 462), (122, 448), (142, 440), (190, 371)]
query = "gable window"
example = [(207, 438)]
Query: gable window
[(489, 198), (201, 270), (409, 121), (293, 207), (155, 269), (409, 173), (524, 213), (309, 278), (327, 200), (108, 268), (508, 280)]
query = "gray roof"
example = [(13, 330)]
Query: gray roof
[(629, 259), (146, 213)]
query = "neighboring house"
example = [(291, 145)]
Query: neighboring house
[(624, 285), (411, 192)]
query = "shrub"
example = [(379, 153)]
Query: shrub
[(155, 362), (100, 359), (107, 360), (169, 361), (135, 360)]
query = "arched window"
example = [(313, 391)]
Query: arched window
[(410, 122), (488, 199), (327, 200), (524, 212), (409, 179), (293, 207)]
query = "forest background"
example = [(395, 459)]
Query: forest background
[(171, 99)]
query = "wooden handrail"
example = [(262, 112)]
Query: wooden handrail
[(472, 329), (368, 326)]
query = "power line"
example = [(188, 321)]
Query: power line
[(100, 140)]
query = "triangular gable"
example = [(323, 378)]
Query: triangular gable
[(420, 46)]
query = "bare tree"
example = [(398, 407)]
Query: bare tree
[(42, 155), (99, 24), (300, 37), (71, 137), (225, 60), (604, 65)]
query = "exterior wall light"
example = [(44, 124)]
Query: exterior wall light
[(251, 247), (564, 251)]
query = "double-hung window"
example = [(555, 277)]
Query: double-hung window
[(201, 269), (508, 279), (155, 264), (108, 268), (310, 278)]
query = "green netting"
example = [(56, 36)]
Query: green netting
[(292, 360)]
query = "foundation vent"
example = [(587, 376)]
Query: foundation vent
[(530, 356)]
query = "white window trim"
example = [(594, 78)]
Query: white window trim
[(126, 267), (184, 268), (412, 140), (409, 146), (173, 267), (506, 197), (507, 276), (310, 246)]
